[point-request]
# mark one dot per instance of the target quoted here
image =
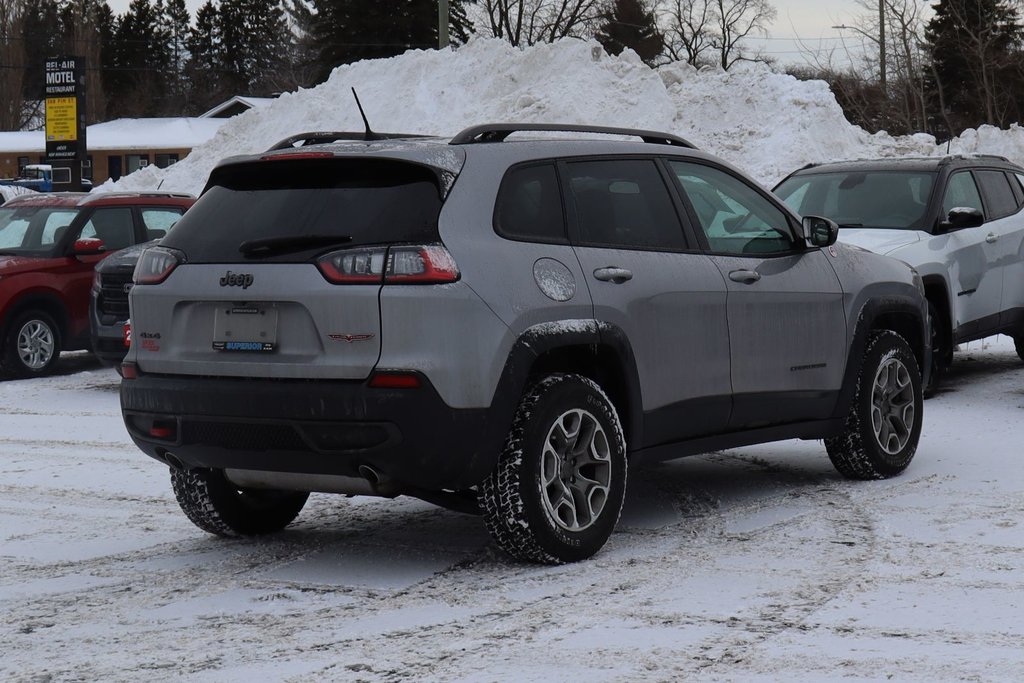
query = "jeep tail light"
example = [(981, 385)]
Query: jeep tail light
[(429, 264), (156, 264)]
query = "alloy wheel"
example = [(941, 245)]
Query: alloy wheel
[(892, 406), (575, 470), (36, 344)]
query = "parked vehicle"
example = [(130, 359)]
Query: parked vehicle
[(49, 244), (504, 327), (108, 302), (38, 177), (956, 219)]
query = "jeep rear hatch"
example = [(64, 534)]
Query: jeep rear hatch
[(276, 271)]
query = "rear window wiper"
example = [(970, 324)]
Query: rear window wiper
[(278, 245)]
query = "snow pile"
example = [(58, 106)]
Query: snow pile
[(765, 123)]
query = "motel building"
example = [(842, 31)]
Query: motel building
[(117, 148)]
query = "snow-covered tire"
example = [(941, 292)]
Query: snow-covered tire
[(32, 346), (219, 507), (884, 423), (556, 492)]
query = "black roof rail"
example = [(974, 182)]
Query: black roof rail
[(327, 137), (497, 132)]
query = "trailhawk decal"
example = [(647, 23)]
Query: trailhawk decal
[(349, 338)]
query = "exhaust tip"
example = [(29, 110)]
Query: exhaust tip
[(371, 475)]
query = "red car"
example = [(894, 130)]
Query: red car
[(49, 245)]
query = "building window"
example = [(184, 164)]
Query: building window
[(135, 161), (165, 160), (22, 163)]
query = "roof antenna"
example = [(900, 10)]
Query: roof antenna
[(370, 135)]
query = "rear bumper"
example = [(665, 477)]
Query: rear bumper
[(313, 427)]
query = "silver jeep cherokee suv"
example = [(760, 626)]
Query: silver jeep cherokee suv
[(502, 327)]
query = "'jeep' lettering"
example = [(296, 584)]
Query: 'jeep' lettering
[(242, 280)]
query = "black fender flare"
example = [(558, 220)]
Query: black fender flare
[(867, 320), (604, 342)]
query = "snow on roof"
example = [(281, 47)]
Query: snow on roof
[(27, 141), (246, 102), (126, 134), (169, 133)]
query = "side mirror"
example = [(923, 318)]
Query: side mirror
[(88, 247), (961, 217), (820, 232)]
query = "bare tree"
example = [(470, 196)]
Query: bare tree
[(526, 22), (688, 32), (12, 63), (737, 20), (698, 29), (903, 32)]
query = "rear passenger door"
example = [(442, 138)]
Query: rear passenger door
[(647, 279), (787, 324), (1004, 233)]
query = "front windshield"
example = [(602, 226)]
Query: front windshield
[(33, 230), (862, 199)]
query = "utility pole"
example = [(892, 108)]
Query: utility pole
[(881, 42), (442, 25), (880, 39)]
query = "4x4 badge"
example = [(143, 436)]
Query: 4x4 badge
[(350, 337)]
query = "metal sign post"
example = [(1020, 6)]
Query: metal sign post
[(65, 121), (442, 24)]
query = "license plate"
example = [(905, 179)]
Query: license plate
[(245, 328)]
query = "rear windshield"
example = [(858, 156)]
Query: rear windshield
[(862, 199), (362, 201)]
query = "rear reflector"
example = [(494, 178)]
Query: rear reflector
[(129, 371), (395, 380), (161, 432)]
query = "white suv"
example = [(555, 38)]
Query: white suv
[(957, 220)]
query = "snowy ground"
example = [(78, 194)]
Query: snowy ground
[(753, 564)]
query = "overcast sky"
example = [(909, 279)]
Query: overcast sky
[(810, 21)]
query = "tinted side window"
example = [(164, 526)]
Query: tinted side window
[(998, 194), (529, 205), (159, 221), (963, 192), (624, 203), (114, 226), (735, 217)]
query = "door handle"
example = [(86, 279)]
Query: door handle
[(747, 277), (992, 237), (613, 274)]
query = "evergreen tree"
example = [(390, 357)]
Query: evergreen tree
[(41, 34), (255, 42), (204, 67), (175, 29), (630, 24), (973, 47), (139, 83), (346, 31)]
